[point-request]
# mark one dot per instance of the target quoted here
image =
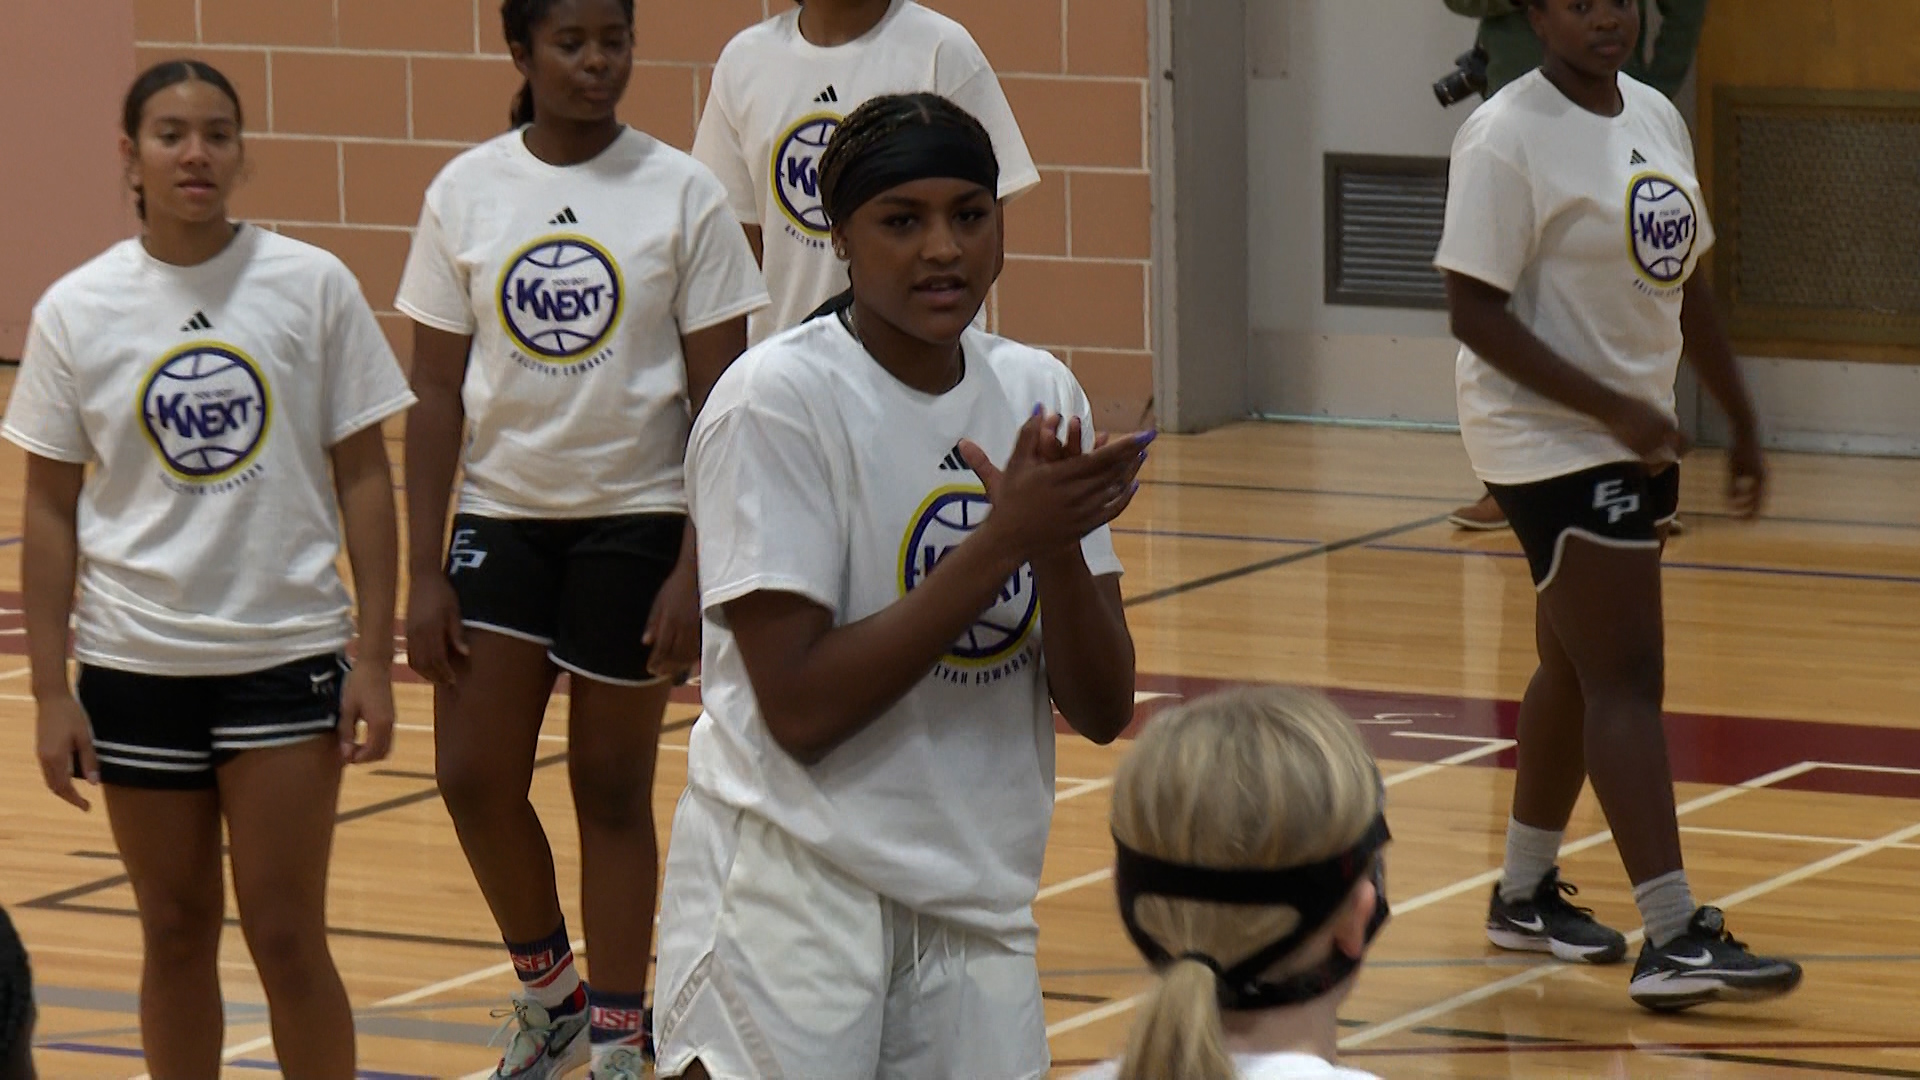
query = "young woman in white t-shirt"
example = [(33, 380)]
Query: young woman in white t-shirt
[(1250, 825), (201, 411), (1574, 226), (781, 88), (850, 881), (577, 286)]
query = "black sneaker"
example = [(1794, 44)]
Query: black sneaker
[(1707, 964), (1548, 923)]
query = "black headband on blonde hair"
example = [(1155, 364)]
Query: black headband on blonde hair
[(1315, 890), (913, 152)]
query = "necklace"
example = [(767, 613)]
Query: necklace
[(848, 320)]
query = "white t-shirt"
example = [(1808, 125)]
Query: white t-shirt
[(813, 471), (576, 284), (1593, 223), (205, 398), (1259, 1067), (776, 100)]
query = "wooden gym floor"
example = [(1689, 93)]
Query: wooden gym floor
[(1265, 553)]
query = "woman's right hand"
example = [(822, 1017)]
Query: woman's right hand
[(64, 737), (436, 642), (1043, 500), (1647, 430)]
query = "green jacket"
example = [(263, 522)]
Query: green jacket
[(1512, 50)]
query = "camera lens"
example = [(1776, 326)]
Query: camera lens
[(1453, 89)]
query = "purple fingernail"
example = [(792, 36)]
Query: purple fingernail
[(1149, 437)]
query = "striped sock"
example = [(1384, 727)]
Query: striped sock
[(548, 975), (616, 1020)]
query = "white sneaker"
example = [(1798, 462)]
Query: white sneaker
[(542, 1048)]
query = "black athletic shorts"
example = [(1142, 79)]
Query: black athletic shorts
[(1619, 505), (583, 588), (172, 732)]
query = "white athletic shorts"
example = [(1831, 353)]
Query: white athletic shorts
[(774, 964)]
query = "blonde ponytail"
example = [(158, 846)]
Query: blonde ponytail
[(1257, 779), (1178, 1031)]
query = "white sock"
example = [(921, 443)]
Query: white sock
[(1531, 854), (1666, 906)]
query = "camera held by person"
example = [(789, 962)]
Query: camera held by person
[(1469, 76)]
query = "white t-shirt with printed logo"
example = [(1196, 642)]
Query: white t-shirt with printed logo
[(576, 284), (205, 398), (815, 472), (1593, 224), (776, 100)]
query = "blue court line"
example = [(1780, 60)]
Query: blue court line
[(1430, 549), (1180, 535), (244, 1063), (1712, 568), (1344, 493), (11, 540)]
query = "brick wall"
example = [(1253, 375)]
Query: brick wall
[(353, 105)]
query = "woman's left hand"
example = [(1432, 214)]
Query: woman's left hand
[(367, 698)]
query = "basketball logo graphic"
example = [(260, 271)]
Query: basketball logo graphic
[(205, 408), (947, 517), (796, 172), (560, 298), (1661, 228)]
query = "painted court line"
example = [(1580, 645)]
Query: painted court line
[(1489, 748), (408, 998), (428, 728), (1848, 767), (1478, 881), (1481, 881), (1420, 1016), (1094, 1016), (1081, 882), (1774, 837), (458, 981), (1082, 788)]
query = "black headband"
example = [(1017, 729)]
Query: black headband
[(918, 152), (1316, 891)]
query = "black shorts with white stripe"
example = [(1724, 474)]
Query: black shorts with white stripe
[(172, 732), (582, 587), (1621, 505)]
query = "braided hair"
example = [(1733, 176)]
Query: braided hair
[(865, 133), (873, 123), (16, 1004), (517, 20)]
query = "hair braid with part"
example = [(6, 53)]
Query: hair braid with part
[(870, 126)]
